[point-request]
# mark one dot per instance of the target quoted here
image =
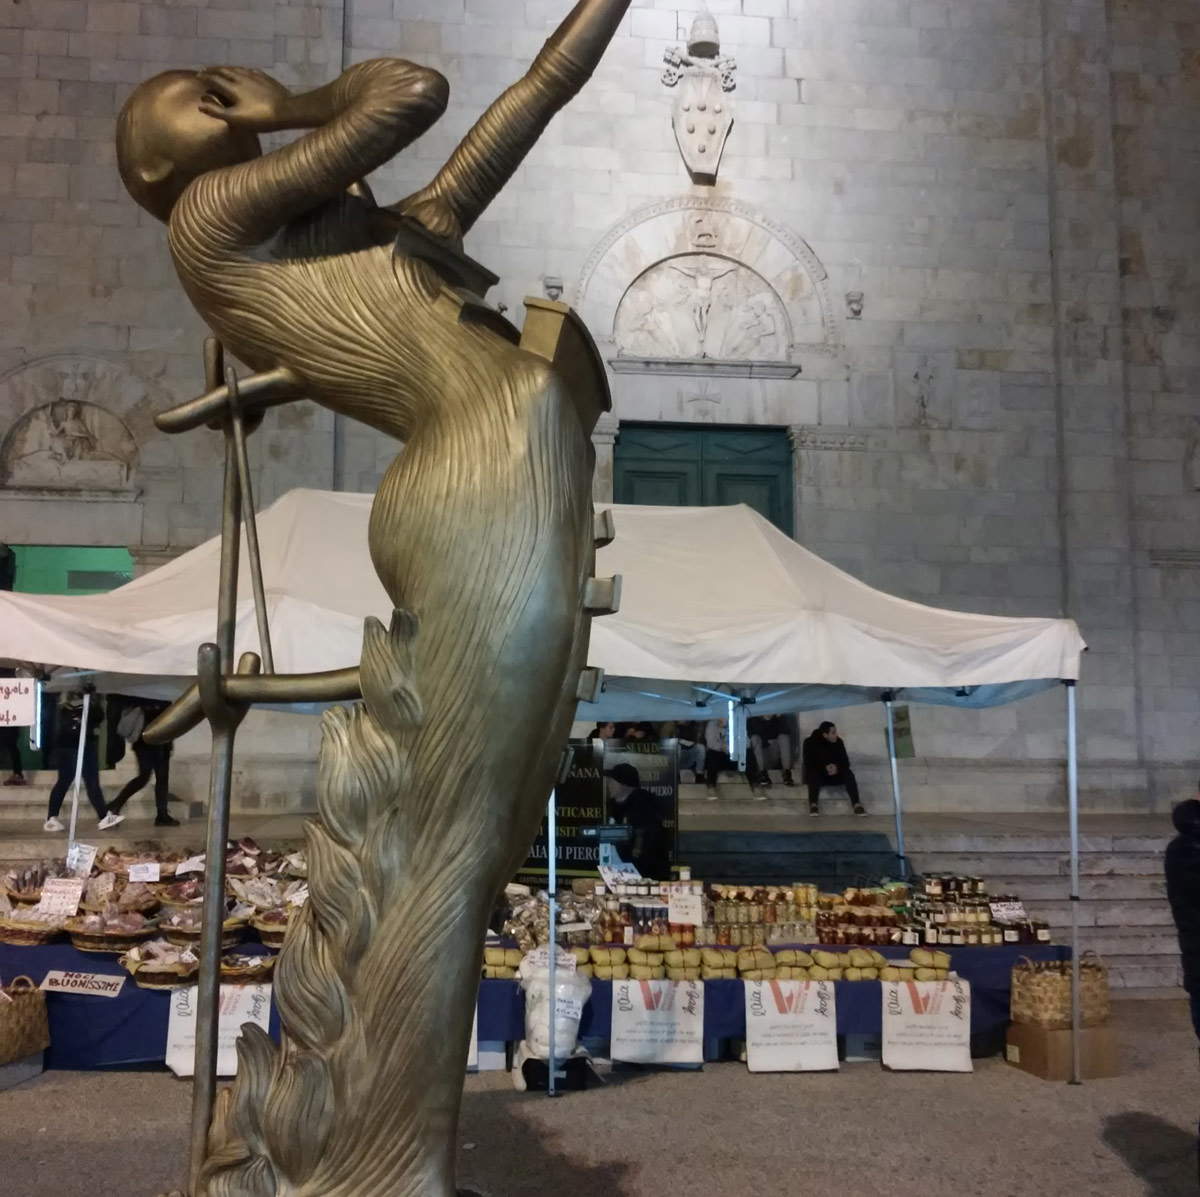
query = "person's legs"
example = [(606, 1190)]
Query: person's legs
[(10, 749), (162, 777), (783, 745), (757, 760), (713, 763), (91, 781), (848, 780), (813, 781), (66, 774), (145, 766)]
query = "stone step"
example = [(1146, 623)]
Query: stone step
[(1039, 864), (1121, 943), (1133, 913), (1136, 972), (1121, 888)]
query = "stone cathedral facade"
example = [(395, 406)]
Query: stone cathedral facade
[(919, 279)]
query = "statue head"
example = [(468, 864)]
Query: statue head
[(164, 140), (704, 41)]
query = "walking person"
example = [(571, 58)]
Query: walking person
[(1182, 866), (152, 759), (826, 763), (10, 747), (66, 749)]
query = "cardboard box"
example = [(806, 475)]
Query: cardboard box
[(1048, 1053)]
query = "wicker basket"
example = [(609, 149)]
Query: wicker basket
[(249, 974), (152, 976), (1041, 992), (232, 933), (24, 896), (24, 1028), (26, 935), (272, 934), (103, 941)]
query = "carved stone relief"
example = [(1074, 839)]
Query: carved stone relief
[(66, 434), (709, 286), (702, 115)]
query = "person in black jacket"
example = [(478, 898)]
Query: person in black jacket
[(1183, 892), (826, 763), (152, 759), (637, 808), (66, 748)]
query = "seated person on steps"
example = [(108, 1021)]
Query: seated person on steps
[(826, 763)]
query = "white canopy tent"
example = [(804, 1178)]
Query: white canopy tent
[(720, 613)]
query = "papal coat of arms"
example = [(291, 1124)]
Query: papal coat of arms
[(703, 113)]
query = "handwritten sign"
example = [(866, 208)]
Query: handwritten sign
[(193, 864), (658, 1022), (61, 895), (237, 1005), (80, 858), (58, 980), (18, 701), (927, 1025), (791, 1026), (686, 909), (147, 871), (538, 960), (1008, 912), (568, 1005)]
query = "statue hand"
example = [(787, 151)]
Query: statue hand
[(245, 98)]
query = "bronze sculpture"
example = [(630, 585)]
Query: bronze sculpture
[(482, 534)]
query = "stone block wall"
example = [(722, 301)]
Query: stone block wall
[(1011, 424)]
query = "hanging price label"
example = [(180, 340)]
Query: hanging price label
[(61, 895), (80, 858), (148, 871), (193, 864)]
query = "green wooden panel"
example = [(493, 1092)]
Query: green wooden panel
[(665, 484), (669, 465), (71, 569), (764, 487)]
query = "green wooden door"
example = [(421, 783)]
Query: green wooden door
[(668, 465)]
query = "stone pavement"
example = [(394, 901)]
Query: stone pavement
[(719, 1133)]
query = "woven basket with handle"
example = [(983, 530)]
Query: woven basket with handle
[(1041, 992), (24, 1028)]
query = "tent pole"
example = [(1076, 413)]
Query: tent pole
[(250, 519), (552, 964), (901, 856), (1073, 816), (83, 733)]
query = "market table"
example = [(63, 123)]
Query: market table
[(131, 1029)]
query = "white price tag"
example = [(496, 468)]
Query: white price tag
[(93, 984), (80, 858), (539, 961), (623, 874), (148, 871), (1008, 912), (687, 909), (238, 1004), (568, 1006), (61, 895), (193, 864)]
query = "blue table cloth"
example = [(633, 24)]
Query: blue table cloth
[(131, 1029)]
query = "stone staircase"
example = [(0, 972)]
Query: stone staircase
[(1123, 913)]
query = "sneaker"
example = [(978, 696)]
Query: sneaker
[(859, 809), (165, 821), (16, 780), (759, 796), (813, 809), (712, 794), (788, 780), (110, 820), (53, 825)]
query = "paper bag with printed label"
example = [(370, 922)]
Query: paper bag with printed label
[(927, 1025), (791, 1026), (658, 1022), (238, 1005)]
